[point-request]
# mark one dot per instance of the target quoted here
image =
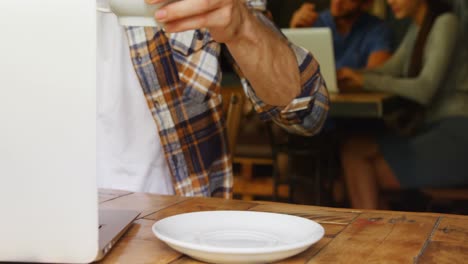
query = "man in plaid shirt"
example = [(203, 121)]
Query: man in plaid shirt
[(180, 147)]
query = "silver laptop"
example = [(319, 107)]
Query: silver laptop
[(319, 41), (48, 194)]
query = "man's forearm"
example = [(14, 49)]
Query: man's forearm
[(266, 61)]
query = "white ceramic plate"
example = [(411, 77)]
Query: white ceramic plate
[(238, 236)]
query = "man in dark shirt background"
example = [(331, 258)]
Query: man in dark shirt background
[(360, 39)]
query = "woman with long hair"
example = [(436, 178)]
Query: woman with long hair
[(428, 73)]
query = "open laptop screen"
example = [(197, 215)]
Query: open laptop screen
[(48, 197), (320, 43)]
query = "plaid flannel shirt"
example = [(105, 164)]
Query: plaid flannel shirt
[(180, 77)]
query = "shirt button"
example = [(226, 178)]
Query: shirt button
[(139, 58), (199, 35)]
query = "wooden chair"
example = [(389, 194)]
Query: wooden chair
[(245, 185), (258, 150), (233, 102)]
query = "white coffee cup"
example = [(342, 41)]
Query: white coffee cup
[(136, 12)]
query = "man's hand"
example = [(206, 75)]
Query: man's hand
[(223, 18), (263, 56), (304, 16), (350, 80)]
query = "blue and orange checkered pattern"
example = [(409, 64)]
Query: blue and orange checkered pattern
[(180, 76)]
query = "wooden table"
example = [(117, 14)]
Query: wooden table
[(362, 105), (351, 236), (352, 105)]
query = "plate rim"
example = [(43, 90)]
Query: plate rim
[(245, 251)]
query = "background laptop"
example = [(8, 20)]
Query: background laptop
[(48, 195), (319, 41)]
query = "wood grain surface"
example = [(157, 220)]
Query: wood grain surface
[(351, 236)]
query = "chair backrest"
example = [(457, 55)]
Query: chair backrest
[(233, 102)]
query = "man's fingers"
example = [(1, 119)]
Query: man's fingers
[(185, 24), (154, 1), (306, 13), (185, 9), (217, 18), (308, 6), (298, 22), (304, 22)]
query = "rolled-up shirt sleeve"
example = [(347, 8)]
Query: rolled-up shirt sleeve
[(306, 114)]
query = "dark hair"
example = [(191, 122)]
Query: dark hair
[(435, 9)]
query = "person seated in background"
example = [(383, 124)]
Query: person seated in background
[(360, 40), (435, 153)]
